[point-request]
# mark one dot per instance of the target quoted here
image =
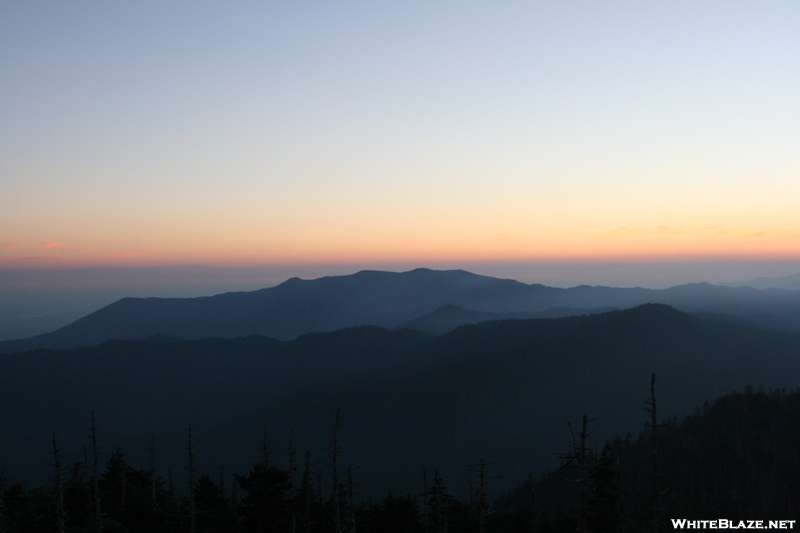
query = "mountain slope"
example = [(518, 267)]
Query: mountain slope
[(162, 384), (387, 299), (449, 317), (736, 457), (499, 389), (503, 390), (290, 309), (784, 282)]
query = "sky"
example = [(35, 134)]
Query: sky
[(561, 142)]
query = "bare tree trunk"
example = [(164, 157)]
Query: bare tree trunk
[(654, 425), (170, 488), (482, 495), (153, 495), (337, 518), (580, 456), (307, 488), (235, 494), (425, 513), (191, 468), (320, 493), (583, 464), (351, 499), (98, 516), (123, 487), (442, 508), (292, 486), (85, 483), (61, 517)]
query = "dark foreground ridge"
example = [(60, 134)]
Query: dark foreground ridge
[(498, 389), (736, 458)]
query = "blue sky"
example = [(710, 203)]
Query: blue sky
[(321, 138)]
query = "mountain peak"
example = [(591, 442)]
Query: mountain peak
[(387, 299)]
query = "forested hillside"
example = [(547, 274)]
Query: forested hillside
[(496, 389), (734, 458)]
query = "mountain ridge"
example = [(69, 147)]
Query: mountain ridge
[(496, 388), (387, 299)]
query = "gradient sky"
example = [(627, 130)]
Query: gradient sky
[(367, 133)]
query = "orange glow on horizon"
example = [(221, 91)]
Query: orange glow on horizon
[(450, 243), (616, 255)]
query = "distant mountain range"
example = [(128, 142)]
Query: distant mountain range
[(449, 317), (784, 282), (388, 299), (499, 389)]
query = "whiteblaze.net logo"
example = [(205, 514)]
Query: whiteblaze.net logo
[(722, 523)]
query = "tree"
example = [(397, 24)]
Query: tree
[(394, 514), (580, 457), (439, 502), (58, 489), (214, 509), (605, 503), (264, 505), (190, 499), (653, 426), (98, 516)]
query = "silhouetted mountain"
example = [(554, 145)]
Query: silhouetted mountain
[(290, 309), (385, 299), (503, 390), (449, 317), (163, 383), (783, 282), (499, 389)]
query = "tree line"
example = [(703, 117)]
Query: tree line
[(735, 458)]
